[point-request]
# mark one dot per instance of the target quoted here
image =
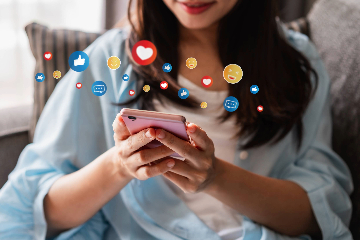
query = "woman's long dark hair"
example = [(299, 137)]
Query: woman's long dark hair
[(248, 36)]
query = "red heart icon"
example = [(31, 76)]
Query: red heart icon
[(47, 56), (260, 108), (206, 81), (131, 92), (164, 85), (78, 85), (144, 52)]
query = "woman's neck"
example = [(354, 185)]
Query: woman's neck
[(202, 45), (203, 37)]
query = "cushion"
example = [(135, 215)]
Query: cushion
[(61, 43), (334, 28)]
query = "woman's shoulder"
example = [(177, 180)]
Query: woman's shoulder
[(318, 108), (114, 35), (111, 43), (304, 45), (301, 43)]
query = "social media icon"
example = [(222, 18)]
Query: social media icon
[(232, 73), (113, 62), (125, 77), (260, 108), (206, 81), (183, 93), (164, 85), (254, 89), (203, 105), (99, 88), (78, 61), (78, 85), (39, 77), (144, 52), (231, 104), (191, 63), (57, 74), (47, 56), (146, 88), (167, 67), (132, 92)]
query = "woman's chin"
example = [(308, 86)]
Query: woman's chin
[(196, 24)]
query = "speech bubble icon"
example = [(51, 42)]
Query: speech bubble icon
[(231, 104), (99, 88)]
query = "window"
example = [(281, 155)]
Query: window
[(17, 63)]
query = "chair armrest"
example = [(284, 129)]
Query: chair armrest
[(14, 126)]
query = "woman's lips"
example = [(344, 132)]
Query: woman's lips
[(196, 8)]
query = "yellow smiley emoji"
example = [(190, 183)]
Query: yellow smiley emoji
[(146, 88), (57, 74), (203, 105), (113, 62), (233, 73), (191, 63)]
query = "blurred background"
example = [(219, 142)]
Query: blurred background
[(16, 60)]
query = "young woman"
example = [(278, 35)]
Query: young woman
[(247, 174)]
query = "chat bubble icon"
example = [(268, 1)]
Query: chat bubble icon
[(231, 104), (99, 88)]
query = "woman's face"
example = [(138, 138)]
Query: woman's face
[(199, 14)]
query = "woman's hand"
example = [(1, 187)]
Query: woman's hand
[(199, 168), (132, 160)]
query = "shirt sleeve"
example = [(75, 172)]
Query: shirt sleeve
[(318, 169), (71, 132)]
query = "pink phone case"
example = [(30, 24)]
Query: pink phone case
[(137, 120)]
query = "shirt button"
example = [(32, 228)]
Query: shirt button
[(243, 155)]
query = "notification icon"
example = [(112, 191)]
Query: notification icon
[(144, 52), (78, 61), (164, 85), (39, 77), (206, 81), (260, 108), (78, 85), (183, 93), (231, 104), (98, 88), (48, 56), (132, 92)]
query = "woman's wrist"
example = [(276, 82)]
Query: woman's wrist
[(215, 183), (115, 167)]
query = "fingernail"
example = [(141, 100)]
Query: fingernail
[(170, 164), (192, 129), (148, 134), (161, 134)]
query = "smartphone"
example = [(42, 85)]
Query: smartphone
[(137, 120)]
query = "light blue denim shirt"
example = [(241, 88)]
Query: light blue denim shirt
[(76, 127)]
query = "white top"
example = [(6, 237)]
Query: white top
[(219, 217)]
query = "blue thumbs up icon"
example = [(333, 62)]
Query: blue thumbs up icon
[(78, 61), (254, 89)]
